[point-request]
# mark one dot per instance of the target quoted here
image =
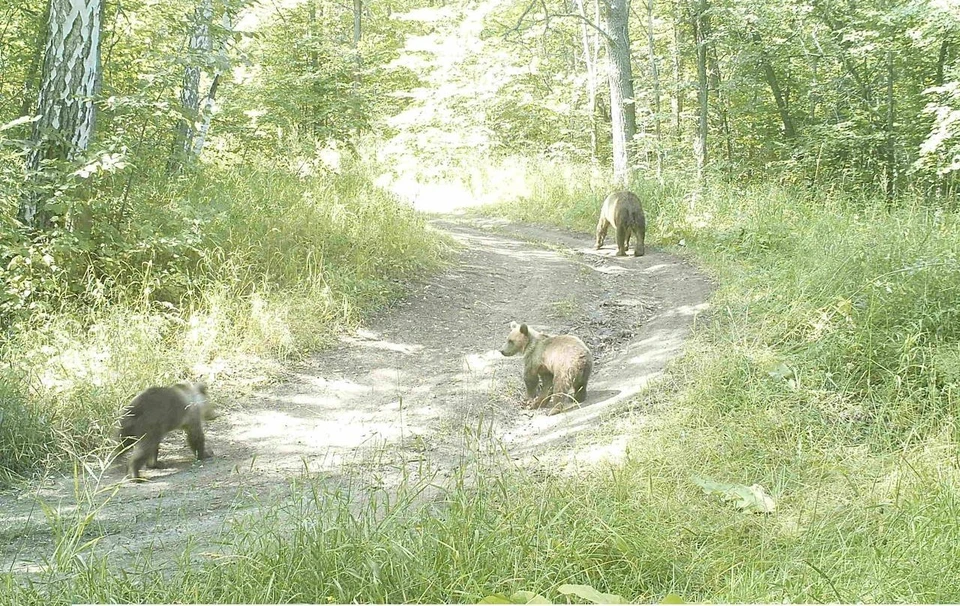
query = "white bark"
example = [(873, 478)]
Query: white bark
[(655, 77), (71, 70), (200, 44), (590, 62), (700, 154), (209, 108)]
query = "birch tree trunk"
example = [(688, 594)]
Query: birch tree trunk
[(699, 36), (623, 117), (206, 116), (357, 35), (655, 77), (890, 143), (199, 45), (591, 69), (208, 107), (69, 81)]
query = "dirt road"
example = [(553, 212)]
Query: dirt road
[(421, 381)]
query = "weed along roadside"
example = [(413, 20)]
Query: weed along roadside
[(479, 302), (396, 425), (729, 457)]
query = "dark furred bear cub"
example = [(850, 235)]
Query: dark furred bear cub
[(623, 211), (555, 368), (157, 411)]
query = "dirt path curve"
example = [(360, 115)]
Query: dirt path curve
[(422, 378)]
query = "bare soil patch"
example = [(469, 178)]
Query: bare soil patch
[(418, 383)]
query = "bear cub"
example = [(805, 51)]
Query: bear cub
[(157, 411), (555, 368), (623, 211)]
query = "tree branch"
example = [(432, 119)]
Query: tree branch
[(549, 16)]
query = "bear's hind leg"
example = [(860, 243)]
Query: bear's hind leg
[(580, 395), (564, 395), (638, 247), (621, 240)]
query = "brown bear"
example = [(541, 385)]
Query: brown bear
[(157, 411), (555, 368), (623, 211)]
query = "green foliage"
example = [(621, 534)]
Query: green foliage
[(750, 498), (844, 411), (859, 302), (505, 534), (233, 269), (314, 83)]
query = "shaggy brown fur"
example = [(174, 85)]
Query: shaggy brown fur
[(555, 368), (157, 411), (623, 211)]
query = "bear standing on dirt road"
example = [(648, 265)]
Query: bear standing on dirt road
[(555, 369), (157, 411), (623, 211)]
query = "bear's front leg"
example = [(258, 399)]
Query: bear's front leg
[(532, 382)]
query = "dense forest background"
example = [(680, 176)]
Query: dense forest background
[(211, 188), (856, 97)]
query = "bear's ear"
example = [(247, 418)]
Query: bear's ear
[(514, 326), (524, 330)]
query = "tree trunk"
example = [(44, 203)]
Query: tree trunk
[(891, 180), (715, 85), (357, 34), (677, 73), (357, 15), (623, 115), (699, 36), (941, 61), (836, 31), (199, 45), (590, 65), (655, 78), (771, 77), (71, 66), (206, 113)]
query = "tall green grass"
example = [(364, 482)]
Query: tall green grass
[(844, 298), (826, 371), (218, 276), (640, 529)]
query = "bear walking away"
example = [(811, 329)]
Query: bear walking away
[(157, 411), (555, 368), (623, 211)]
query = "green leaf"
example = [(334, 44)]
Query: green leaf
[(497, 598), (752, 498), (671, 598), (782, 371), (591, 595), (528, 597)]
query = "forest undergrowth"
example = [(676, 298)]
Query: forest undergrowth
[(221, 275), (827, 372)]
